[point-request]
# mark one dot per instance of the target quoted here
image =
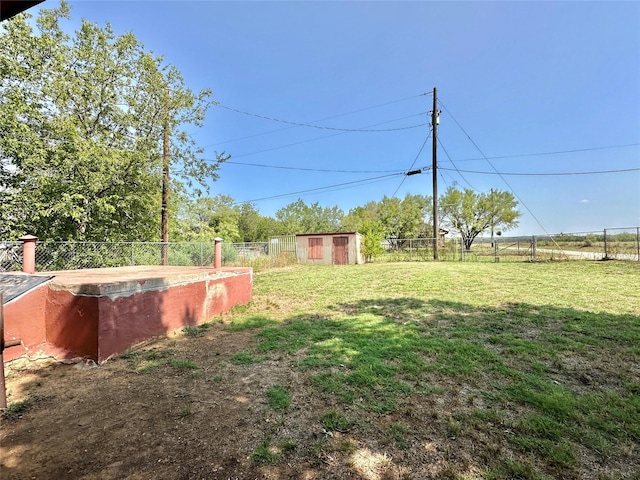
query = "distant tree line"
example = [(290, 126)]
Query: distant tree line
[(391, 219)]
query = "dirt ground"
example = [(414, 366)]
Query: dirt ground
[(153, 415), (180, 407)]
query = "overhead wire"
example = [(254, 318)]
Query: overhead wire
[(412, 163), (458, 170), (320, 127), (324, 170), (317, 138), (497, 172), (551, 174), (324, 188), (444, 180), (558, 152), (367, 129), (320, 120), (454, 165), (341, 187)]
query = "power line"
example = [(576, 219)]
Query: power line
[(444, 180), (315, 139), (29, 139), (364, 182), (539, 154), (494, 168), (320, 127), (597, 172), (320, 120), (454, 166), (324, 188), (282, 167), (413, 163)]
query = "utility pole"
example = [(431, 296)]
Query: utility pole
[(165, 188), (494, 243), (434, 169)]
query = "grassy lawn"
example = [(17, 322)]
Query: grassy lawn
[(509, 370)]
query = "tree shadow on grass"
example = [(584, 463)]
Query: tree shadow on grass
[(432, 389)]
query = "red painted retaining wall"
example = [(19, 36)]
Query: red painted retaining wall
[(102, 312)]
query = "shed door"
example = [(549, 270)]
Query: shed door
[(340, 250)]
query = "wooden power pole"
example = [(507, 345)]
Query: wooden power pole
[(165, 190), (434, 168)]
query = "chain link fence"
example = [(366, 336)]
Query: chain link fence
[(421, 250), (611, 243), (501, 249), (51, 256), (10, 256), (607, 244)]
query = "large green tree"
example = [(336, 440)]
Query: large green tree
[(298, 217), (406, 218), (82, 119), (472, 213), (409, 217), (253, 227), (360, 216), (206, 218)]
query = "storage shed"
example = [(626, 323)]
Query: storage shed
[(329, 248)]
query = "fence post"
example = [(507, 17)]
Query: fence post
[(605, 244), (533, 247), (29, 253), (217, 254), (133, 261), (638, 241), (164, 254)]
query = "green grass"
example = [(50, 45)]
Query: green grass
[(398, 433), (198, 331), (265, 454), (244, 358), (334, 421), (146, 366), (183, 363), (185, 411), (146, 361), (555, 342), (278, 397), (248, 323), (15, 410)]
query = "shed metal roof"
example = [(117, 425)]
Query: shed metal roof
[(324, 234)]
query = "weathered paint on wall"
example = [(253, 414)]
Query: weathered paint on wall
[(161, 311), (71, 322)]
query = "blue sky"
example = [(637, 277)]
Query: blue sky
[(517, 81)]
